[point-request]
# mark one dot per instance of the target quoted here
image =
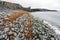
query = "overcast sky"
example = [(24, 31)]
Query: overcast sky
[(49, 4)]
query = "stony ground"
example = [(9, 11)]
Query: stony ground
[(40, 31)]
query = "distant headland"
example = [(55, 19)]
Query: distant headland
[(15, 6), (42, 10)]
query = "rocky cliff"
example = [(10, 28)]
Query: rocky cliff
[(15, 6), (12, 5)]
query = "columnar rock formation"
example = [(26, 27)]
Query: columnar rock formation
[(10, 5)]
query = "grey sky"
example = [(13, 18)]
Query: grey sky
[(49, 4)]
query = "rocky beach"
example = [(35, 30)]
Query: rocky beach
[(41, 31), (21, 25)]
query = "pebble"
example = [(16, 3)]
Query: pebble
[(40, 30)]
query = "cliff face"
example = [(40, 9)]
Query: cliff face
[(10, 5), (14, 6)]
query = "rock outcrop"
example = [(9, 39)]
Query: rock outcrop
[(10, 5), (13, 6)]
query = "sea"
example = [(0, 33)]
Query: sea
[(51, 18)]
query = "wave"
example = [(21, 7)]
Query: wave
[(56, 29)]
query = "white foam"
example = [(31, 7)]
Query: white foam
[(56, 29)]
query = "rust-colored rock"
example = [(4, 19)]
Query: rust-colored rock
[(16, 15)]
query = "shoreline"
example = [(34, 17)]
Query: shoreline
[(53, 27)]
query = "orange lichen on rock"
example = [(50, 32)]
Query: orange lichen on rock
[(16, 15), (28, 34)]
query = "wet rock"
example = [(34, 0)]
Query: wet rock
[(40, 30)]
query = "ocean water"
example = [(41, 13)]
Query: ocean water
[(51, 18)]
